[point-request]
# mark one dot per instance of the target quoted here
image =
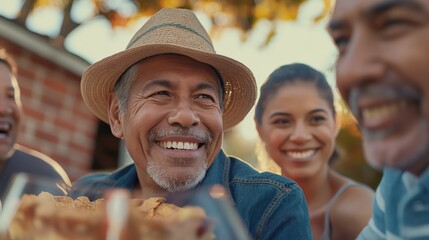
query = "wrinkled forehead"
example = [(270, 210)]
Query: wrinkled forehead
[(349, 11)]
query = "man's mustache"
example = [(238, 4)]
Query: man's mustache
[(202, 136), (390, 92)]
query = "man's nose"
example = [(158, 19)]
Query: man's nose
[(184, 115), (360, 63)]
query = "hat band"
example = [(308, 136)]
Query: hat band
[(169, 25)]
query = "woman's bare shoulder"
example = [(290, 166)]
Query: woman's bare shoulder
[(354, 205)]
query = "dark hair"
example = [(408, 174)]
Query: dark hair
[(7, 59), (292, 73)]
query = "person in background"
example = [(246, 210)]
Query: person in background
[(13, 157), (296, 120), (170, 97), (383, 74)]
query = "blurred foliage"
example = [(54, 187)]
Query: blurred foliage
[(239, 14), (352, 162), (234, 144)]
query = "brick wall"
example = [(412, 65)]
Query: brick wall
[(56, 121)]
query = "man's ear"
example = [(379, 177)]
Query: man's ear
[(114, 116)]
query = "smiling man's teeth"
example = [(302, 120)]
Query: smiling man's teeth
[(179, 145), (302, 154), (383, 111), (4, 128)]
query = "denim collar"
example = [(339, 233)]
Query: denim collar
[(218, 173), (126, 177)]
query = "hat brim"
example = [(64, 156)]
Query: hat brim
[(99, 79)]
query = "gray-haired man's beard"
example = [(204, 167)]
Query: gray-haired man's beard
[(173, 183), (169, 181)]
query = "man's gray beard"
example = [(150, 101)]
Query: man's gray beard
[(172, 183), (405, 163)]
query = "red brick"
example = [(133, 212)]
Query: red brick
[(91, 134), (25, 91), (26, 73), (56, 85), (33, 113), (52, 138), (84, 113), (42, 62), (63, 159), (12, 49), (50, 100), (72, 76), (81, 148), (66, 124)]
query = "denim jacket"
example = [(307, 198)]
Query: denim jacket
[(271, 206)]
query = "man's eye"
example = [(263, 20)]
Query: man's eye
[(341, 42), (161, 93), (395, 27), (205, 96), (394, 23)]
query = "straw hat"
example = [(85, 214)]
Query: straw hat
[(171, 31)]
